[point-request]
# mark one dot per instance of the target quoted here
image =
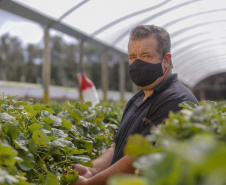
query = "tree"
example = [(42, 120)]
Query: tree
[(11, 53)]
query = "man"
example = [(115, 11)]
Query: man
[(161, 92)]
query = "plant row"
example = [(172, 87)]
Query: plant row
[(189, 149), (40, 143)]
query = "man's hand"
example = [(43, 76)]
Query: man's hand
[(83, 171), (81, 181)]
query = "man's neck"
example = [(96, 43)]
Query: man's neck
[(147, 93)]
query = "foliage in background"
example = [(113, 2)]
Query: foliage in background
[(24, 63), (39, 141), (189, 149)]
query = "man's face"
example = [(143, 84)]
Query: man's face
[(144, 49)]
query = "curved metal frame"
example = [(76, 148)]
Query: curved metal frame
[(193, 70), (190, 47), (153, 17), (107, 26), (197, 55), (176, 33), (192, 15), (201, 75), (177, 43), (189, 70)]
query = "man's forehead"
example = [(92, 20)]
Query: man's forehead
[(142, 46)]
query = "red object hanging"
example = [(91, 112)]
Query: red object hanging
[(86, 83)]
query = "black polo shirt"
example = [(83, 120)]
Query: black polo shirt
[(139, 116)]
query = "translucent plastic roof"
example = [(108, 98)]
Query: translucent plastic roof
[(197, 27)]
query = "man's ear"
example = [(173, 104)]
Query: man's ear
[(167, 59)]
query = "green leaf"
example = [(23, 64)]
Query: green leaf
[(100, 137), (67, 106), (48, 120), (112, 126), (77, 105), (7, 155), (11, 130), (67, 124), (57, 121), (49, 110), (127, 180), (79, 131), (87, 164), (40, 137), (28, 161), (45, 113), (76, 151), (88, 145), (20, 144), (32, 147), (70, 177), (144, 162), (89, 103), (34, 127), (34, 120), (20, 104), (188, 105), (90, 118), (77, 114), (58, 133), (81, 158), (6, 118), (39, 107), (30, 109), (6, 178), (41, 178), (63, 115), (61, 143), (51, 179), (137, 145), (84, 107)]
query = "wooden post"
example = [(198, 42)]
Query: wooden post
[(81, 54), (122, 77), (46, 70), (105, 79), (81, 66)]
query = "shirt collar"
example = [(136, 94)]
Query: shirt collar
[(165, 84), (161, 87)]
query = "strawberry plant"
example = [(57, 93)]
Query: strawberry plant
[(190, 148), (43, 140)]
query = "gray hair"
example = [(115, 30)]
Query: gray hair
[(162, 36)]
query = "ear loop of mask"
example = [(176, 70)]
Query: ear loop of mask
[(165, 69)]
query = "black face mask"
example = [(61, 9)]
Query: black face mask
[(143, 73)]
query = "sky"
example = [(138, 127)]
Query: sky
[(25, 30)]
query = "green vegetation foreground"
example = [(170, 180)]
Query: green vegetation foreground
[(39, 142)]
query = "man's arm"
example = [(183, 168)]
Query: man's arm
[(104, 161), (124, 165), (99, 164)]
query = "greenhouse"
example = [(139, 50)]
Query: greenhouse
[(54, 53), (196, 29)]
